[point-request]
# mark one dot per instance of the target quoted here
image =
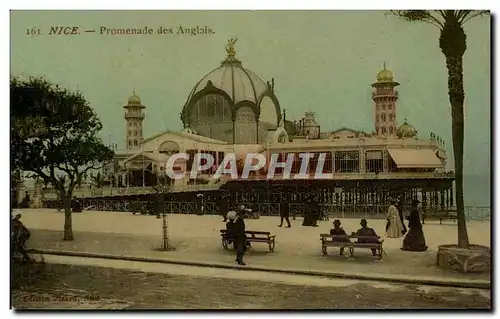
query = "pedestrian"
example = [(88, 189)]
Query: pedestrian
[(223, 206), (316, 211), (401, 215), (284, 212), (308, 213), (238, 235), (200, 205), (366, 231), (394, 226), (414, 240)]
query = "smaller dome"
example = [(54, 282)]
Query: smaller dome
[(385, 76), (134, 99), (406, 131)]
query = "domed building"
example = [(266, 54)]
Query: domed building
[(232, 104), (232, 111)]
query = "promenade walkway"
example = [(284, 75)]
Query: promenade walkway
[(197, 241)]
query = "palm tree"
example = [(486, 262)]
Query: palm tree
[(453, 43)]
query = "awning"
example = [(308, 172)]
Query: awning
[(411, 158)]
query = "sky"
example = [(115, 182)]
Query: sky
[(322, 61)]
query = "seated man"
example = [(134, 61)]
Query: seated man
[(366, 231), (230, 227), (338, 231)]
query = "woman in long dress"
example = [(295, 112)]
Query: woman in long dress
[(414, 240), (394, 227)]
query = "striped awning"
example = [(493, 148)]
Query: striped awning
[(412, 158)]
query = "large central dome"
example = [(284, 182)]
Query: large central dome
[(231, 103), (231, 77)]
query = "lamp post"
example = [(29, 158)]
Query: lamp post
[(160, 189)]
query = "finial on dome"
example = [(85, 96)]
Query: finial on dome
[(133, 92), (384, 66), (406, 121), (231, 52)]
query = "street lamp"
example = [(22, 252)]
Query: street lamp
[(160, 190)]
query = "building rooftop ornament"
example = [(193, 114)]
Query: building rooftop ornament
[(134, 101), (385, 75), (231, 52), (406, 131)]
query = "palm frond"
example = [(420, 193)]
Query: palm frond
[(417, 16), (474, 13)]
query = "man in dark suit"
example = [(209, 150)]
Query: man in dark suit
[(368, 232), (223, 206), (238, 234), (399, 206), (285, 212)]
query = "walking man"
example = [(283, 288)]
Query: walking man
[(223, 206), (285, 212), (240, 239)]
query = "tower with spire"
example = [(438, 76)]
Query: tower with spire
[(385, 96), (134, 116)]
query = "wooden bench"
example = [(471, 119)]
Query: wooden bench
[(252, 236), (346, 241), (440, 215)]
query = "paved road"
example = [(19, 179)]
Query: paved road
[(127, 285)]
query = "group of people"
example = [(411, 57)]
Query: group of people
[(396, 228), (363, 231)]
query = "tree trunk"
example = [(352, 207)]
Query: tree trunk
[(457, 97), (68, 226)]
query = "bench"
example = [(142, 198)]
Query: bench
[(252, 236), (440, 215), (346, 241)]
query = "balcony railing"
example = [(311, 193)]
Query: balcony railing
[(476, 213), (85, 192), (51, 193)]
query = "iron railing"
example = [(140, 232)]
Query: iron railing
[(478, 213)]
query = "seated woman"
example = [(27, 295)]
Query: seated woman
[(338, 231)]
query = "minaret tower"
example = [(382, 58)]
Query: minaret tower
[(133, 118), (385, 96)]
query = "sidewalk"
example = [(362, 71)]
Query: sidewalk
[(397, 266)]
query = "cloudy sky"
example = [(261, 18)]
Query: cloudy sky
[(323, 61)]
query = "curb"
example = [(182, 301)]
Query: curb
[(430, 281)]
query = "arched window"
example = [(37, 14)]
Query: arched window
[(169, 148)]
